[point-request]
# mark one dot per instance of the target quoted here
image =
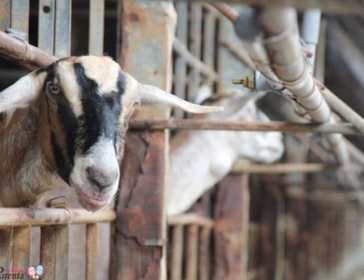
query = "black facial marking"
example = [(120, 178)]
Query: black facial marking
[(62, 167), (2, 117), (98, 117), (69, 125)]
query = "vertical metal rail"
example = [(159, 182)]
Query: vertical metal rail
[(91, 251), (55, 251), (180, 63), (46, 25), (20, 15), (204, 254), (22, 237), (176, 262), (96, 31), (62, 42), (192, 252), (5, 14), (209, 36), (6, 241), (195, 48)]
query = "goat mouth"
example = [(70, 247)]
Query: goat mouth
[(89, 202)]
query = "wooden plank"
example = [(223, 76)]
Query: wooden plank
[(177, 252), (6, 241), (20, 15), (96, 31), (62, 42), (192, 252), (232, 228), (46, 25), (180, 63), (21, 248), (55, 251), (5, 14), (91, 251), (141, 225)]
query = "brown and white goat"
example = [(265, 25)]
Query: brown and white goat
[(66, 123), (200, 159)]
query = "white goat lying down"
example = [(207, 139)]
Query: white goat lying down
[(70, 127), (200, 159)]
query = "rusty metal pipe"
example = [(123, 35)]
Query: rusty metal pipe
[(51, 216), (275, 31), (27, 55), (283, 45)]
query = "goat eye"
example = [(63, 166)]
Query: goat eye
[(54, 89)]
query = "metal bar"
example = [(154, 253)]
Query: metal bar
[(91, 248), (190, 219), (5, 14), (180, 63), (96, 31), (50, 216), (195, 124), (22, 237), (243, 56), (6, 241), (209, 44), (194, 61), (225, 10), (177, 252), (204, 254), (192, 253), (46, 25), (341, 108), (195, 48), (55, 251), (31, 57), (20, 15), (321, 53), (62, 43)]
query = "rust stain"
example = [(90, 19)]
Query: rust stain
[(132, 17)]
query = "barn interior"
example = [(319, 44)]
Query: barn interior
[(271, 188)]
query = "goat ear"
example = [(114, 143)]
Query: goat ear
[(22, 93), (153, 95)]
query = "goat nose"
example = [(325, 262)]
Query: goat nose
[(101, 179)]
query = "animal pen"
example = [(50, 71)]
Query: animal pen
[(298, 218)]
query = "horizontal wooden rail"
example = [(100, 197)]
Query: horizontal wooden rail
[(193, 124), (283, 168), (190, 219), (51, 216)]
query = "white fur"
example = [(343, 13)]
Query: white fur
[(200, 159), (102, 155)]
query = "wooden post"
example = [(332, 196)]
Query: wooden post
[(147, 30), (232, 228)]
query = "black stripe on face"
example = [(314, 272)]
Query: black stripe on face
[(98, 118), (63, 169), (2, 117), (69, 126)]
